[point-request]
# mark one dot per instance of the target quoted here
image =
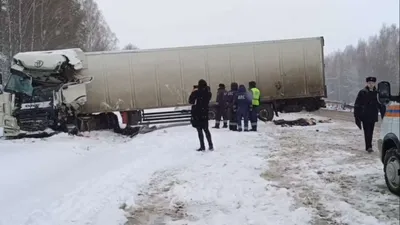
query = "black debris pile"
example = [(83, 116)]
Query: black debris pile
[(299, 122)]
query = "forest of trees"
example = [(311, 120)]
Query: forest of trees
[(378, 56), (31, 25)]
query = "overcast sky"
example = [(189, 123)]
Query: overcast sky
[(170, 23)]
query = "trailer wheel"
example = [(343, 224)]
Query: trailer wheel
[(391, 166), (311, 105), (212, 113), (266, 113)]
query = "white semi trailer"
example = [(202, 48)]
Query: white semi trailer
[(73, 90)]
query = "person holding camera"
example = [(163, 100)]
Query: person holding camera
[(200, 99)]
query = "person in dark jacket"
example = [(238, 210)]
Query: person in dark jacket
[(221, 107), (200, 98), (243, 103), (366, 110), (231, 107)]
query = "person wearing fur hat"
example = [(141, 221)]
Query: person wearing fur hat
[(366, 109), (221, 107), (200, 99)]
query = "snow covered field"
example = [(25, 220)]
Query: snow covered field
[(293, 175)]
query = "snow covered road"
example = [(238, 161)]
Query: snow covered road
[(295, 175)]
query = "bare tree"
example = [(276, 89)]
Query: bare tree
[(96, 33), (130, 46), (379, 56), (31, 25)]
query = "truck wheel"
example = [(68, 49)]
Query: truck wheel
[(311, 105), (391, 166), (212, 113), (266, 113)]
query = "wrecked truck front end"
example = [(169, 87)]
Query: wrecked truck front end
[(36, 84)]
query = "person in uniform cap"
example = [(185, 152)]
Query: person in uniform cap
[(366, 109), (221, 107)]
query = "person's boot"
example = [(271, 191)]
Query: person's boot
[(239, 129), (202, 146), (246, 129), (253, 128), (370, 150), (216, 125), (210, 143), (234, 128), (225, 125)]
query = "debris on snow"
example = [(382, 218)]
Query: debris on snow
[(300, 122)]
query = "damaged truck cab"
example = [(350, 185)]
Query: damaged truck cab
[(45, 90)]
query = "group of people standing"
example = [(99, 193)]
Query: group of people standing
[(236, 105), (239, 103), (232, 106)]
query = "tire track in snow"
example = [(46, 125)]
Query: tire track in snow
[(327, 169), (156, 205)]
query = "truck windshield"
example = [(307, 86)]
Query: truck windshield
[(19, 84), (39, 94)]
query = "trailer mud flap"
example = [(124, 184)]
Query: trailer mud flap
[(128, 131)]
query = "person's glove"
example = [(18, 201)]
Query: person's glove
[(358, 123)]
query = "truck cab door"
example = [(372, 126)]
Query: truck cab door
[(8, 124), (74, 94)]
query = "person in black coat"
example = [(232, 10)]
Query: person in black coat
[(200, 99), (366, 110)]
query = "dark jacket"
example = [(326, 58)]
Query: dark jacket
[(200, 100), (221, 97), (230, 96), (366, 107), (242, 99)]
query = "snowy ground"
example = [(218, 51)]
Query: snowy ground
[(337, 107), (296, 175)]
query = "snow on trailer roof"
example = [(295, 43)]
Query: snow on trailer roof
[(74, 55), (204, 46)]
